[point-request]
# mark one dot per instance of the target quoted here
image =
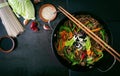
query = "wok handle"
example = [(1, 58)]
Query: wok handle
[(101, 70)]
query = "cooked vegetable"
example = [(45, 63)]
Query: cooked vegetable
[(88, 43), (71, 57), (61, 45), (67, 29), (24, 8), (77, 47), (96, 30), (70, 42), (102, 32)]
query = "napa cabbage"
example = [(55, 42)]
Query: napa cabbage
[(23, 8)]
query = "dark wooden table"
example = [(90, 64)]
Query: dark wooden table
[(33, 55)]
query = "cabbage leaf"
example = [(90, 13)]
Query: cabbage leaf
[(70, 42), (88, 43), (23, 8)]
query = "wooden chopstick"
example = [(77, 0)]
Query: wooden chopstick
[(91, 34)]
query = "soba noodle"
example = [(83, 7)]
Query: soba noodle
[(75, 46)]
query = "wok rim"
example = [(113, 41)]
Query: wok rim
[(79, 68)]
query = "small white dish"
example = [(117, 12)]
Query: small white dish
[(47, 12)]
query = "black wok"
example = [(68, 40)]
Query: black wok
[(102, 63)]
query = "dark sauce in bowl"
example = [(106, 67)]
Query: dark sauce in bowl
[(6, 44)]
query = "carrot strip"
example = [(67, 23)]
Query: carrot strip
[(61, 45), (70, 35), (95, 30), (76, 52), (89, 52)]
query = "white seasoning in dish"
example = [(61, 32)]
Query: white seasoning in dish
[(48, 13)]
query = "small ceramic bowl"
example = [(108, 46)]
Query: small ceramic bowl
[(7, 44), (47, 12)]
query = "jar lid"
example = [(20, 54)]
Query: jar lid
[(47, 12)]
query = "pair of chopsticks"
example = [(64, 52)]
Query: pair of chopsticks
[(108, 48)]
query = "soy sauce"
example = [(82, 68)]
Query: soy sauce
[(6, 43)]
